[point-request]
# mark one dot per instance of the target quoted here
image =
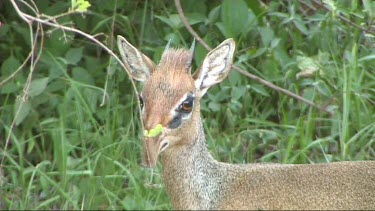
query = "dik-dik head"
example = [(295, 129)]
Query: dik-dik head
[(171, 94)]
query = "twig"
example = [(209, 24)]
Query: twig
[(26, 88), (29, 18), (242, 71)]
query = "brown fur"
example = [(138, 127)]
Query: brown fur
[(342, 185), (195, 180), (167, 84)]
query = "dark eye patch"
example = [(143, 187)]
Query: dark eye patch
[(176, 121), (183, 109)]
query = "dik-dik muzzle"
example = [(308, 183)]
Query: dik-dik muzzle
[(160, 133), (171, 92), (152, 146)]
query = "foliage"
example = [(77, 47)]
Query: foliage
[(73, 139)]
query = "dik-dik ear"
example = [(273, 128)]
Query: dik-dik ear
[(215, 67), (138, 64)]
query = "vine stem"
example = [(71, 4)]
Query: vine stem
[(29, 19), (242, 71)]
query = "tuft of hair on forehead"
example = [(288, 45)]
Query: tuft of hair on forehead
[(172, 78), (176, 60)]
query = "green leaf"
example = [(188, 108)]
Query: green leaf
[(213, 16), (155, 132), (267, 35), (37, 86), (256, 52), (234, 15), (80, 74), (58, 68), (80, 5), (238, 92), (323, 89), (74, 55), (214, 106), (223, 29), (259, 89), (10, 65), (301, 26), (8, 88), (195, 18), (21, 110), (173, 21)]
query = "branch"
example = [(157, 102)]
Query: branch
[(320, 4), (29, 19), (240, 70)]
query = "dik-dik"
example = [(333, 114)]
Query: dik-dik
[(194, 179)]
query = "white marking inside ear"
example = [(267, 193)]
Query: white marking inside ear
[(133, 60), (215, 67)]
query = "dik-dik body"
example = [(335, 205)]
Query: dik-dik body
[(194, 179)]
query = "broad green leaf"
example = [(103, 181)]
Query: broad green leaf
[(225, 31), (37, 86), (253, 53), (259, 89), (214, 106), (21, 110), (323, 89), (234, 15), (58, 68), (267, 35), (174, 20), (238, 92), (80, 74), (309, 94), (58, 43), (213, 16), (8, 88), (301, 26), (256, 7), (10, 65), (74, 55), (234, 78), (167, 21), (195, 18)]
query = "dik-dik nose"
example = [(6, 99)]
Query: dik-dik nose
[(153, 144)]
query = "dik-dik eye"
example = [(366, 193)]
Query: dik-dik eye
[(187, 105)]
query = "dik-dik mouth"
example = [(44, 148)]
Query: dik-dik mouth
[(152, 147)]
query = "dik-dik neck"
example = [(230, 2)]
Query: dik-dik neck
[(191, 174)]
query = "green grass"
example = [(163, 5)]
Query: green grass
[(71, 152)]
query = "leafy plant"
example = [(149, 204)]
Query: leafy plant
[(70, 134)]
